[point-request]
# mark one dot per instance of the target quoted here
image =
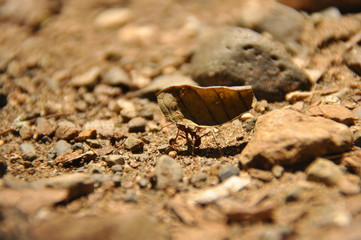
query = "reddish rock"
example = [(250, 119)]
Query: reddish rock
[(335, 112), (287, 137)]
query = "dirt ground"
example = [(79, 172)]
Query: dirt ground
[(46, 49)]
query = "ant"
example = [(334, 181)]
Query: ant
[(192, 135)]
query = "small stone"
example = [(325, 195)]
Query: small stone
[(172, 154), (113, 18), (66, 130), (239, 56), (128, 109), (89, 78), (95, 169), (26, 132), (143, 182), (45, 127), (246, 116), (277, 171), (324, 171), (226, 188), (130, 196), (261, 174), (112, 160), (137, 124), (280, 139), (117, 180), (117, 76), (117, 168), (249, 124), (168, 172), (353, 59), (227, 171), (199, 179), (3, 166), (147, 113), (102, 90), (87, 134), (94, 143), (133, 144), (28, 151), (337, 113), (105, 128), (138, 34), (61, 147), (357, 112)]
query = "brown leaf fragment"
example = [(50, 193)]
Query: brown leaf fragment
[(75, 158)]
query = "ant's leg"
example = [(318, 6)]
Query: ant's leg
[(173, 141), (214, 138)]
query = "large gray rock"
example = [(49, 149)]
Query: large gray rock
[(287, 137), (240, 56)]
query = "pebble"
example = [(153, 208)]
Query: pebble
[(222, 190), (285, 24), (94, 143), (249, 124), (137, 124), (280, 139), (3, 166), (102, 90), (168, 172), (113, 18), (26, 132), (45, 127), (138, 34), (87, 79), (324, 171), (357, 112), (85, 134), (352, 59), (116, 76), (337, 113), (61, 147), (117, 180), (227, 171), (130, 196), (239, 56), (127, 108), (66, 130), (28, 151), (199, 179), (135, 145), (113, 160), (173, 154), (105, 128), (261, 174), (117, 168), (277, 171), (143, 182)]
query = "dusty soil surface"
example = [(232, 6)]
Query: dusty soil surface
[(80, 153)]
